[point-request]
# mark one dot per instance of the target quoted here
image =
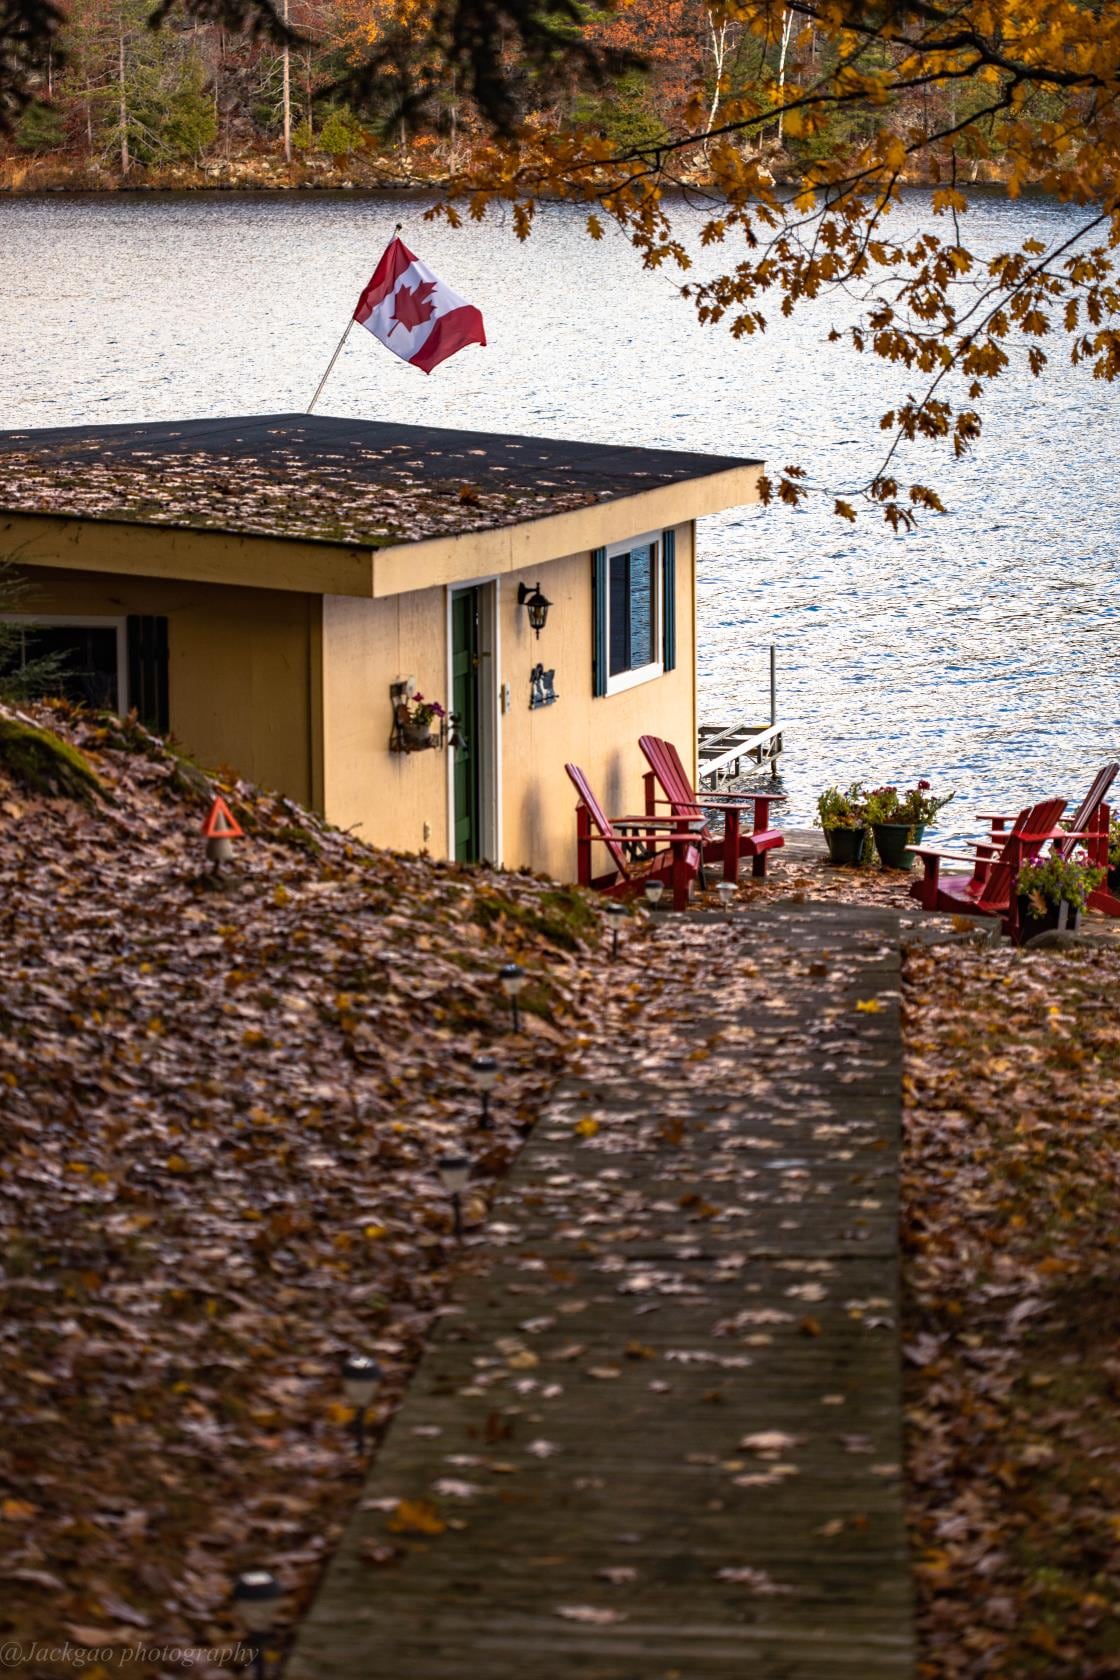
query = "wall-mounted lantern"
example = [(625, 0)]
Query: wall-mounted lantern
[(535, 604)]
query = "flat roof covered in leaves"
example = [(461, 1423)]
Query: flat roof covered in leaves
[(315, 478)]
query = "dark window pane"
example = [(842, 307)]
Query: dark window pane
[(632, 629), (619, 615), (643, 606), (146, 640), (86, 661)]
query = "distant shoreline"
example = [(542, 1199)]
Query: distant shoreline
[(39, 176)]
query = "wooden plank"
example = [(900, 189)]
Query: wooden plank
[(675, 1359)]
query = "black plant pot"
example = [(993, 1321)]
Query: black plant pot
[(1112, 881), (846, 845), (893, 842), (1030, 922)]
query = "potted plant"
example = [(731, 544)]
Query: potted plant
[(414, 718), (898, 821), (841, 816), (1053, 892)]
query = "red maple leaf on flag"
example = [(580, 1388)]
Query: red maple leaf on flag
[(412, 307)]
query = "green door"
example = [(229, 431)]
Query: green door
[(465, 705)]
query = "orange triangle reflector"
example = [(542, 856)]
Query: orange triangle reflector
[(221, 824)]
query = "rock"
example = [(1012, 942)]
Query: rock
[(1057, 939), (932, 929)]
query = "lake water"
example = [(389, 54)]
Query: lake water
[(979, 652)]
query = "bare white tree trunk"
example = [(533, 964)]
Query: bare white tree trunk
[(787, 31), (718, 42), (287, 96), (122, 103)]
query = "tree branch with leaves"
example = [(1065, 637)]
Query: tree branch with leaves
[(922, 299)]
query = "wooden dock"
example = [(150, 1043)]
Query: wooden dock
[(658, 1436), (726, 751)]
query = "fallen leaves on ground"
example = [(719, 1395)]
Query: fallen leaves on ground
[(796, 878), (658, 1268), (1011, 1206), (222, 1105)]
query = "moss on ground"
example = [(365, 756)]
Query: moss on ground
[(43, 763), (301, 838), (564, 917)]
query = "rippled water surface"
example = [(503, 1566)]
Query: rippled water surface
[(980, 652)]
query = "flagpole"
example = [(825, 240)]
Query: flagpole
[(330, 365), (338, 348)]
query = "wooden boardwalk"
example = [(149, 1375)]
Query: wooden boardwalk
[(661, 1422)]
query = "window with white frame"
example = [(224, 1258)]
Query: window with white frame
[(633, 612), (83, 659)]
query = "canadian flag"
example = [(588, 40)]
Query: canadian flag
[(413, 313)]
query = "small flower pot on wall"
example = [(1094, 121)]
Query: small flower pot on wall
[(417, 736), (846, 846), (893, 842)]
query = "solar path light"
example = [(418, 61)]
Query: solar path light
[(614, 910), (485, 1073), (360, 1377), (255, 1595), (455, 1173), (513, 981)]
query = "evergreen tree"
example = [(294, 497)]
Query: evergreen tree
[(41, 128)]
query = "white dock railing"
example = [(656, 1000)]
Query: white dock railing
[(724, 747)]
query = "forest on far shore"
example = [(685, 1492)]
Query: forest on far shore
[(127, 104)]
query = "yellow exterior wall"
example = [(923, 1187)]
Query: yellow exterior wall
[(292, 690), (241, 664), (600, 735), (389, 798), (385, 797)]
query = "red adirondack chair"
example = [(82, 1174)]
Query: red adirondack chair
[(667, 770), (990, 890), (675, 859), (1090, 821)]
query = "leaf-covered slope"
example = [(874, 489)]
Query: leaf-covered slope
[(221, 1105), (1011, 1244)]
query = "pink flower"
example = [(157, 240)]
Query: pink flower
[(923, 785)]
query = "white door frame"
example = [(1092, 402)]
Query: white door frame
[(489, 713)]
